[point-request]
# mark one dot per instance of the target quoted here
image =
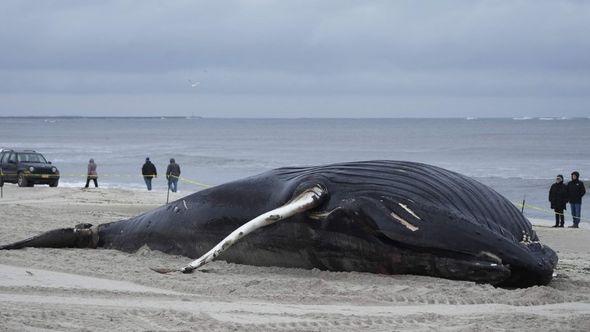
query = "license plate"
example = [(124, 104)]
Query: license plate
[(45, 176)]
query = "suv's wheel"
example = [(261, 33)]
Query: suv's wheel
[(22, 180), (54, 184)]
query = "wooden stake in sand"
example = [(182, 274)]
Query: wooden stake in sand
[(307, 200), (168, 193)]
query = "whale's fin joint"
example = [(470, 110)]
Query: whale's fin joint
[(307, 200)]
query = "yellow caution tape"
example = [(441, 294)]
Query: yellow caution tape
[(547, 211), (48, 176), (194, 182)]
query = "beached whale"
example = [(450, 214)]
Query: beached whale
[(389, 217)]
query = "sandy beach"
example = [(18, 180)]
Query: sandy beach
[(90, 290)]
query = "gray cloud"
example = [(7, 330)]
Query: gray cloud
[(392, 55)]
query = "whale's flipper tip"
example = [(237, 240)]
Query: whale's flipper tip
[(163, 270)]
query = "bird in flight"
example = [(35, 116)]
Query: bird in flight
[(194, 84)]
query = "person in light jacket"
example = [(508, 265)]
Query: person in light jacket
[(91, 174)]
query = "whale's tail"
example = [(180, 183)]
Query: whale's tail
[(81, 236)]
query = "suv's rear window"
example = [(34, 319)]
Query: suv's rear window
[(31, 158)]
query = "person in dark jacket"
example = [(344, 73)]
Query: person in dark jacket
[(558, 197), (575, 191), (172, 174), (148, 170)]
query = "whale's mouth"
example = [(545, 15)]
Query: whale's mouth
[(481, 267), (481, 271)]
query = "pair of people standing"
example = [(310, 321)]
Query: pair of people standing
[(560, 194), (148, 170)]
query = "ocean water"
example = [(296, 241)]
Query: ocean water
[(517, 157)]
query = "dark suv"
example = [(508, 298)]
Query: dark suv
[(26, 168)]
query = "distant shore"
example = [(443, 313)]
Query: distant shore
[(177, 116)]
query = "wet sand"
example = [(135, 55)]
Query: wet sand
[(81, 289)]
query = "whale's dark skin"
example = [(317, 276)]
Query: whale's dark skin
[(388, 217)]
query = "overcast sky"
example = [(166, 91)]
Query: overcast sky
[(295, 58)]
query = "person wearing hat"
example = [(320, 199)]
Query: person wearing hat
[(148, 170), (558, 196), (575, 191), (172, 174)]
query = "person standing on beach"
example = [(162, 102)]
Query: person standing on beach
[(558, 196), (148, 170), (575, 190), (91, 174), (172, 174)]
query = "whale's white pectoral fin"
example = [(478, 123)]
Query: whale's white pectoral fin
[(307, 200)]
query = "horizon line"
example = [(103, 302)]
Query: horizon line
[(276, 118)]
